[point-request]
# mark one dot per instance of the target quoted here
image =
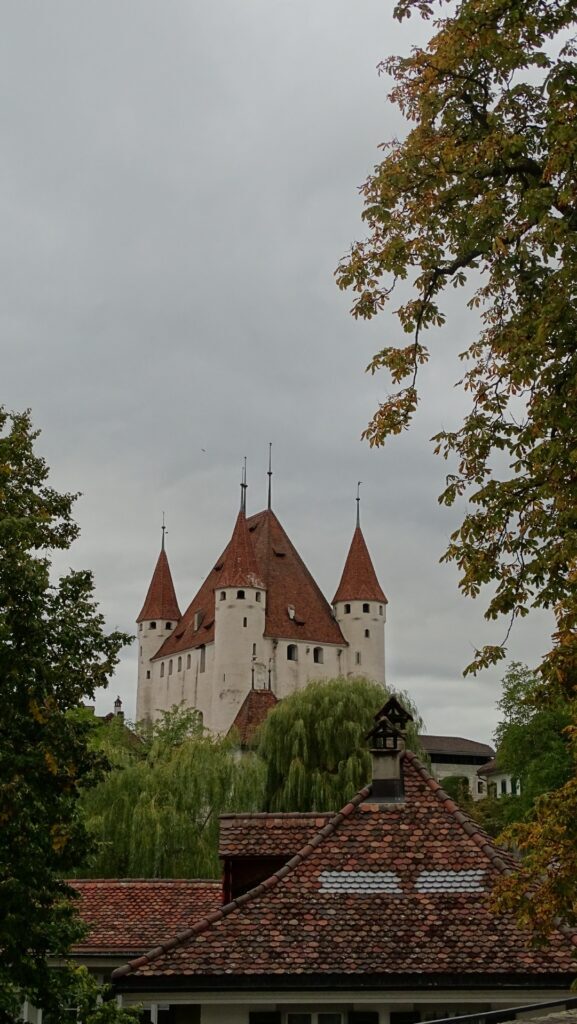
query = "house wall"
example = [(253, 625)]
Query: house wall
[(444, 771)]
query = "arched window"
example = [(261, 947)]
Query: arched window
[(366, 607), (318, 655), (245, 622), (240, 595), (169, 625), (188, 660), (367, 633), (347, 609), (152, 625), (223, 595), (170, 667), (257, 595), (292, 652), (179, 665), (202, 659), (161, 669)]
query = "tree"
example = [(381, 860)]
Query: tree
[(482, 192), (54, 652), (314, 746), (155, 815)]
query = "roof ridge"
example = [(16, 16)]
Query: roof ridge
[(482, 839), (247, 897)]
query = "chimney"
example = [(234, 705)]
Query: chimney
[(118, 708), (387, 745)]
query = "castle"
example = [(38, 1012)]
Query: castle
[(258, 622)]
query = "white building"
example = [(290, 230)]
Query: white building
[(259, 621)]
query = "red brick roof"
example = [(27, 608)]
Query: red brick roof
[(268, 835), (160, 601), (381, 891), (240, 567), (288, 583), (252, 713), (454, 745), (359, 580), (126, 916)]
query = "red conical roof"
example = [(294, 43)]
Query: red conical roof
[(240, 567), (359, 580), (160, 601)]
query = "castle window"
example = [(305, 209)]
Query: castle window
[(380, 609), (318, 655), (347, 609), (170, 667), (223, 595), (169, 625), (140, 627), (366, 607), (179, 666), (245, 622), (357, 657), (254, 650), (367, 633), (240, 595), (141, 651), (202, 659), (148, 674), (198, 617), (161, 669), (152, 625), (257, 595), (292, 652), (188, 660)]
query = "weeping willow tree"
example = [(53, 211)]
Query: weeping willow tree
[(156, 813), (314, 747)]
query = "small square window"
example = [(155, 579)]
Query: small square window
[(366, 607), (240, 595), (152, 625), (347, 609), (223, 595), (169, 625)]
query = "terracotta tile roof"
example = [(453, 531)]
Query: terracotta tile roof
[(126, 916), (288, 583), (240, 567), (359, 580), (382, 891), (160, 601), (454, 745), (252, 713), (267, 835)]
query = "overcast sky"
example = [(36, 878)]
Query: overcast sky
[(179, 181)]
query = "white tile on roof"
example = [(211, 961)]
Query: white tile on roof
[(450, 881), (360, 881)]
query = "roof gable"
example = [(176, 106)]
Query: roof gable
[(252, 713), (359, 580), (386, 890)]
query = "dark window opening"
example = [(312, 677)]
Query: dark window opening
[(264, 1017), (347, 609), (357, 657), (170, 667), (179, 665), (254, 650), (223, 595), (202, 659), (245, 622), (148, 674), (366, 607), (257, 596), (240, 595), (152, 625), (169, 625), (161, 669), (292, 652), (318, 655), (503, 787), (380, 609), (140, 627), (367, 633), (188, 660)]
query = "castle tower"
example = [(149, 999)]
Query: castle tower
[(239, 626), (360, 609), (159, 615)]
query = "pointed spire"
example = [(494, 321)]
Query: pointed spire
[(163, 532), (160, 601), (243, 487), (269, 474), (359, 504), (359, 580), (240, 567)]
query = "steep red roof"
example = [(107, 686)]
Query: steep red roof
[(160, 601), (382, 893), (240, 567), (359, 580), (288, 583), (126, 916), (252, 713)]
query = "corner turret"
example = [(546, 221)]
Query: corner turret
[(158, 618), (359, 607)]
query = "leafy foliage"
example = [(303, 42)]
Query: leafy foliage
[(53, 653), (483, 191), (314, 746), (155, 815)]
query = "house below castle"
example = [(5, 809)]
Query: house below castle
[(259, 620)]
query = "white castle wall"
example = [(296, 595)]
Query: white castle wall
[(151, 635), (365, 655)]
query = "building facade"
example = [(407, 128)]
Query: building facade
[(259, 621)]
